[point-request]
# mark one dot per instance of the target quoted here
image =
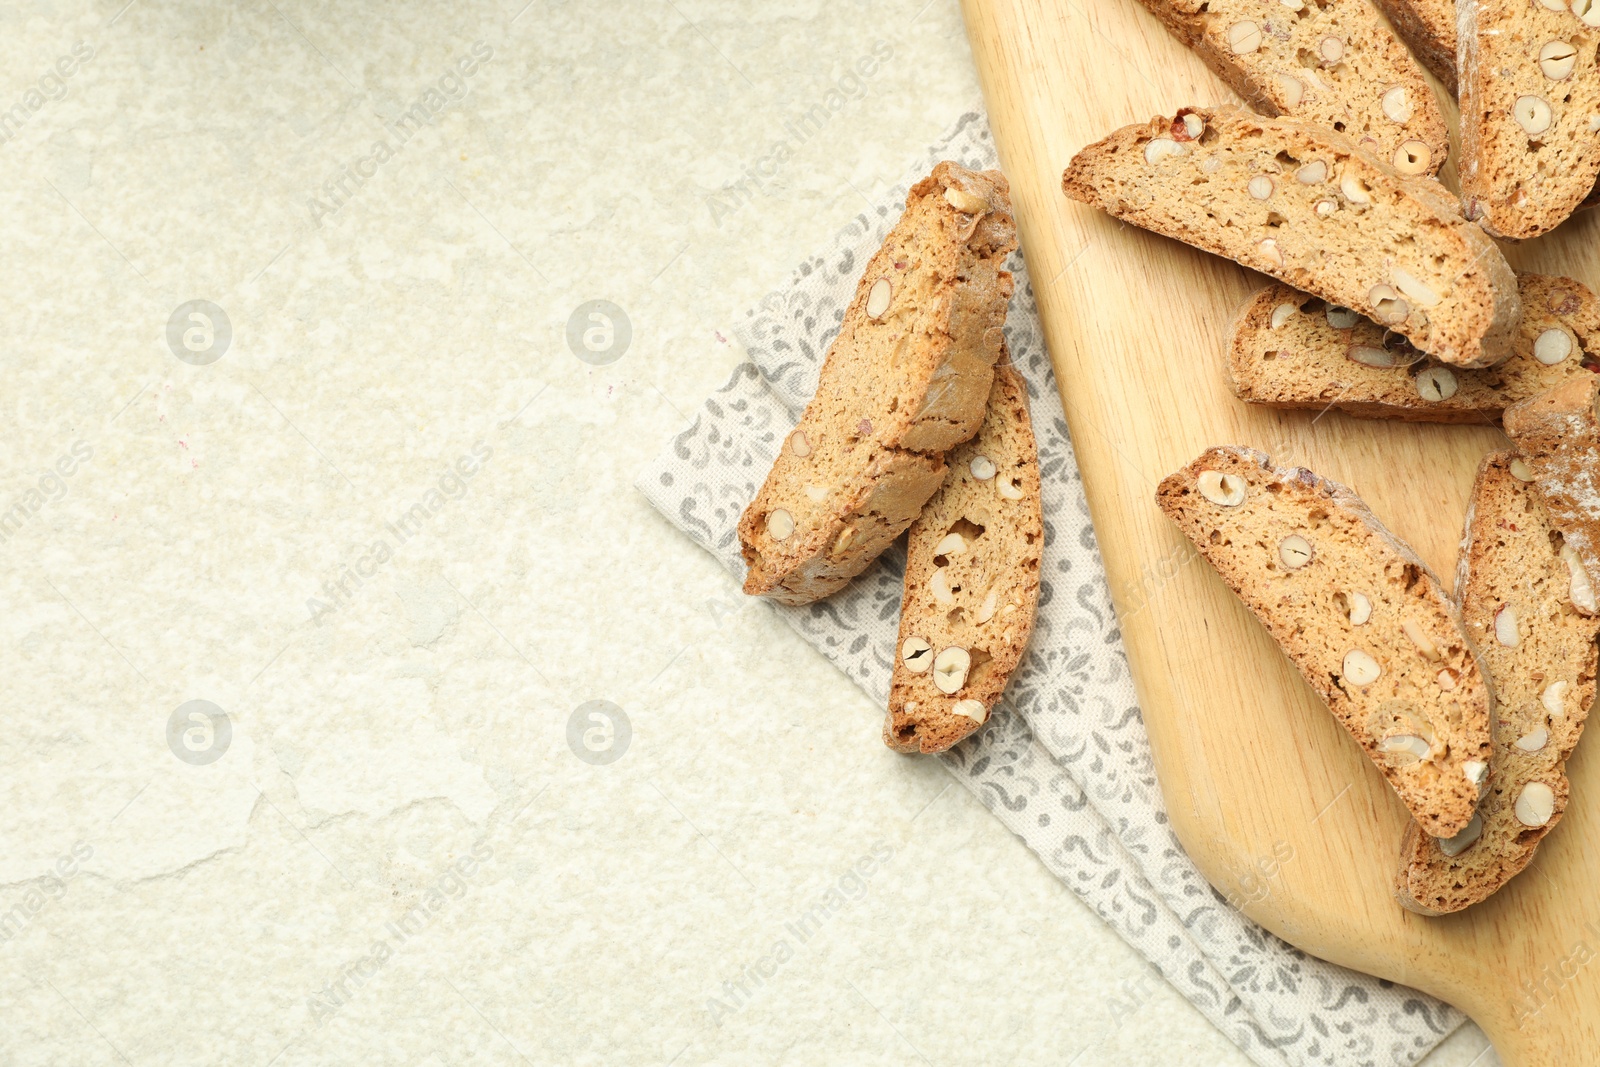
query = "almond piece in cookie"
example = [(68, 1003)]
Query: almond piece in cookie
[(972, 581), (1312, 209), (1356, 611), (906, 378), (1538, 649)]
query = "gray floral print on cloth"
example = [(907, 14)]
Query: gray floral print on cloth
[(1065, 762)]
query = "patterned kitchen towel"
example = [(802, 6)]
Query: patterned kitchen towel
[(1064, 763)]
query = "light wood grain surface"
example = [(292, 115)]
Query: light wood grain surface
[(1252, 765)]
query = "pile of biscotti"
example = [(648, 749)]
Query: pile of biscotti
[(919, 423), (1394, 301)]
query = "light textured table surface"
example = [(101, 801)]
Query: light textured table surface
[(389, 534)]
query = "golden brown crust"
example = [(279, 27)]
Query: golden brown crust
[(972, 579), (1429, 28), (1358, 613), (1539, 653), (1310, 208), (1530, 114), (1333, 64), (906, 378), (1558, 435), (1321, 357)]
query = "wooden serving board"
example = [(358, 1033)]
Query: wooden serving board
[(1276, 805)]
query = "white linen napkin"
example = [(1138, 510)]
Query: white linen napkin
[(1064, 762)]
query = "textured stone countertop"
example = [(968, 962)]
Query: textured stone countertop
[(316, 535)]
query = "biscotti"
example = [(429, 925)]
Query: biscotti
[(906, 378), (1332, 63), (1538, 650), (971, 581), (1429, 27), (1308, 207), (1530, 112), (1292, 350), (1358, 613), (1558, 436)]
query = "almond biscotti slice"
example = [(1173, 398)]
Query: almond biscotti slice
[(1357, 612), (1538, 649), (972, 581), (1292, 350), (1530, 111), (1308, 207), (1429, 27), (906, 378), (1332, 63), (1558, 436)]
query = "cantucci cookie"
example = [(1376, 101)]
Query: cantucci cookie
[(1558, 436), (1358, 613), (1333, 63), (1530, 111), (1292, 350), (972, 581), (1306, 206), (906, 378), (1429, 27), (1538, 649)]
